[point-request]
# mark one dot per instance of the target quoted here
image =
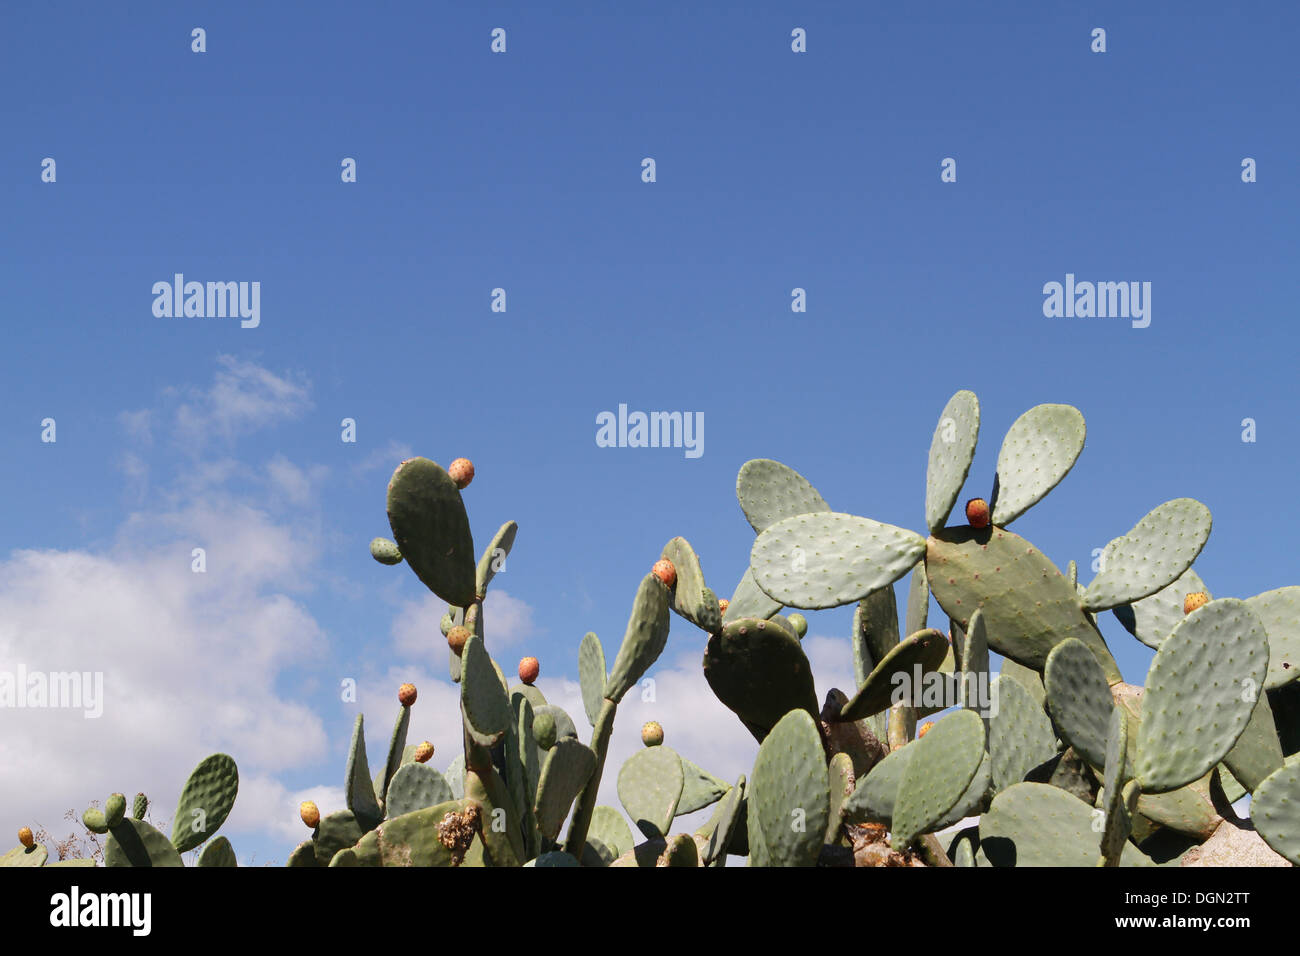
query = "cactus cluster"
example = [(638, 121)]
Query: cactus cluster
[(1054, 761)]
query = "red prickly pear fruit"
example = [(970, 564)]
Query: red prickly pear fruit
[(665, 572), (977, 513), (723, 604), (310, 814), (457, 637), (528, 670), (25, 837), (1194, 600), (423, 752), (462, 472), (406, 695), (652, 734), (925, 729)]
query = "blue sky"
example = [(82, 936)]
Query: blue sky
[(522, 171)]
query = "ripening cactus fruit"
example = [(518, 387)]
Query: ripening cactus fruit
[(462, 472), (424, 752), (723, 604), (457, 637), (114, 809), (665, 572), (1194, 600), (652, 733), (977, 513), (310, 814), (528, 670), (385, 551), (406, 695), (25, 837), (924, 729), (544, 731)]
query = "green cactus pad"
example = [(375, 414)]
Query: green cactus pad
[(483, 699), (760, 672), (95, 821), (1029, 606), (840, 783), (415, 787), (494, 556), (661, 852), (875, 794), (1279, 612), (569, 764), (427, 515), (411, 839), (1118, 824), (1150, 557), (499, 829), (952, 449), (1198, 701), (554, 858), (455, 775), (114, 809), (1029, 680), (80, 861), (700, 789), (136, 843), (650, 786), (918, 600), (644, 639), (937, 775), (964, 846), (591, 675), (335, 832), (218, 853), (769, 491), (690, 598), (1119, 772), (396, 751), (206, 800), (790, 798), (727, 819), (926, 650), (346, 857), (1036, 824), (680, 850), (1151, 619), (1037, 452), (304, 854), (608, 838), (970, 802), (139, 806), (1079, 699), (524, 759), (1257, 752), (973, 661), (357, 783), (1275, 811), (827, 559), (385, 551), (33, 856), (749, 601), (564, 725), (875, 631), (1020, 735)]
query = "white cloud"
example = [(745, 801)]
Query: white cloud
[(243, 397)]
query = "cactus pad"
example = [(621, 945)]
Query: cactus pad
[(769, 491), (1151, 556), (1038, 451), (1079, 699), (206, 801), (790, 799), (649, 787), (759, 671), (431, 529), (644, 639), (938, 774), (952, 449)]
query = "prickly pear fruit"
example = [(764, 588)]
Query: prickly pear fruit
[(94, 821), (114, 809), (423, 752), (799, 623), (1194, 600), (310, 814), (652, 733), (723, 604), (461, 471), (977, 513), (406, 695), (25, 837), (665, 572), (385, 551), (528, 670), (924, 729), (544, 730), (139, 806), (457, 637)]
